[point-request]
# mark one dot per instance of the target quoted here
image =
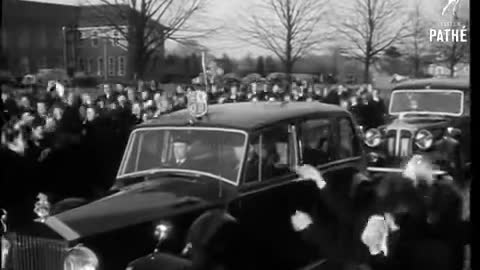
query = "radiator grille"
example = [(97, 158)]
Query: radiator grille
[(34, 253), (399, 143)]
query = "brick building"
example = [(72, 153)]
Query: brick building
[(33, 35), (81, 39)]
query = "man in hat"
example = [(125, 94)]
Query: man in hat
[(181, 147)]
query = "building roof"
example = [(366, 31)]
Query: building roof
[(102, 15), (435, 83), (247, 116), (30, 11)]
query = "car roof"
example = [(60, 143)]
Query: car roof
[(247, 116), (434, 83)]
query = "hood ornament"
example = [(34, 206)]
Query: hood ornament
[(42, 207)]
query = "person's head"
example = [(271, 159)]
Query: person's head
[(71, 98), (353, 101), (181, 101), (157, 97), (234, 89), (153, 85), (180, 148), (38, 128), (276, 88), (179, 90), (82, 111), (145, 95), (112, 106), (100, 103), (137, 109), (119, 87), (50, 124), (253, 87), (27, 117), (375, 93), (57, 112), (91, 113), (190, 88), (13, 136), (86, 99), (214, 89), (122, 100), (164, 104), (41, 108), (369, 88), (131, 96), (25, 102), (5, 96), (107, 90)]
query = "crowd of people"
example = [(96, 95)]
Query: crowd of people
[(66, 143)]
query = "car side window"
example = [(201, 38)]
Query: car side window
[(315, 140), (268, 154), (348, 142)]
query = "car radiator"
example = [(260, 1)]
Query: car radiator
[(33, 253)]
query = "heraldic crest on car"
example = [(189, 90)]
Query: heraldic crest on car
[(430, 118), (234, 162)]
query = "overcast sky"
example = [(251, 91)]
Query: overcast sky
[(229, 13)]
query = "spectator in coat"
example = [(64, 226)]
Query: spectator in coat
[(19, 182), (108, 95)]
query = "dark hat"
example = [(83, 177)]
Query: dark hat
[(181, 139)]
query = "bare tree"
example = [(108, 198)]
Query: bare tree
[(287, 28), (368, 27), (417, 45), (454, 52), (151, 22)]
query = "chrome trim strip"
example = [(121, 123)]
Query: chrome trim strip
[(322, 168), (427, 91), (336, 162), (181, 170), (398, 170), (133, 133), (314, 265), (61, 228)]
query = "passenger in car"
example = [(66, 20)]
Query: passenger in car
[(264, 155), (316, 154)]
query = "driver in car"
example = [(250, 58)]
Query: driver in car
[(181, 147)]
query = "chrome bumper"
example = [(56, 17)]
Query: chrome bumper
[(398, 170)]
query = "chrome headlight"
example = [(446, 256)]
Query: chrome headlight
[(81, 258), (162, 230), (424, 139), (373, 137)]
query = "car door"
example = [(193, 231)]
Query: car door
[(338, 161), (262, 206)]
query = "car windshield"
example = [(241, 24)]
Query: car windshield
[(448, 102), (215, 152)]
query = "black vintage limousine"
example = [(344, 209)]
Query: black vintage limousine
[(429, 118), (240, 158)]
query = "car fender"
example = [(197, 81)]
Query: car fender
[(67, 204)]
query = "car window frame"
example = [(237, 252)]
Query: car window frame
[(353, 126), (331, 136), (292, 156), (128, 149)]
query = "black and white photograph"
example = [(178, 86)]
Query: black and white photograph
[(235, 135)]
